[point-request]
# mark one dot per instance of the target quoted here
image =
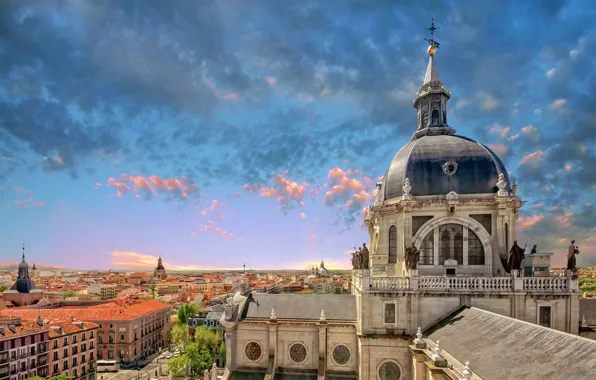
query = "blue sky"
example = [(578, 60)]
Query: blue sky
[(221, 132)]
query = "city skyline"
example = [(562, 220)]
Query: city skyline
[(215, 139)]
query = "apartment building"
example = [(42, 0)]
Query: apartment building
[(72, 348), (104, 291), (127, 331), (23, 349)]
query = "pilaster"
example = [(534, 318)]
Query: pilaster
[(322, 325), (231, 341)]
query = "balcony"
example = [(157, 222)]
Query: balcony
[(42, 347), (445, 284)]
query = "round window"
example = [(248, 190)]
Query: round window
[(450, 167), (298, 352), (253, 351), (341, 354), (389, 371)]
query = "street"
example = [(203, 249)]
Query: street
[(151, 370)]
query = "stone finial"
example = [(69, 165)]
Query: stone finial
[(322, 319), (273, 317), (418, 342), (407, 189), (515, 189), (206, 375), (466, 372), (437, 355), (214, 372), (502, 185)]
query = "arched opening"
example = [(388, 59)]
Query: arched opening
[(392, 245), (435, 117)]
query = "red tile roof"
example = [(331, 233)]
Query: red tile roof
[(26, 327), (117, 310)]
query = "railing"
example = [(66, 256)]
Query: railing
[(465, 284), (546, 284), (390, 283)]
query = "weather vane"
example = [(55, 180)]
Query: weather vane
[(434, 45)]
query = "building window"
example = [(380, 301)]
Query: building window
[(389, 371), (253, 351), (341, 354), (544, 316), (389, 313), (65, 343), (298, 353), (475, 250), (427, 250), (451, 243), (392, 245)]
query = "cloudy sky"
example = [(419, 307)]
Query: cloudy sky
[(221, 132)]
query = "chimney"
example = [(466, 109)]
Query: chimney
[(39, 321)]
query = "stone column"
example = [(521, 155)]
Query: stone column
[(231, 348)]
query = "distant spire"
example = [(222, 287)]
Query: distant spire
[(23, 258), (431, 70)]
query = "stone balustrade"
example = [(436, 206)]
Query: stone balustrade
[(465, 284)]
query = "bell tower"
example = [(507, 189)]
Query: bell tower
[(431, 99)]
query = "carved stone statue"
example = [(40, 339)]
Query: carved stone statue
[(364, 256), (516, 256), (378, 197), (502, 185), (571, 252), (412, 257), (515, 188), (355, 259)]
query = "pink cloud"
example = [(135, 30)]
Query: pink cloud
[(152, 185), (344, 185), (284, 189), (502, 131), (531, 158), (568, 167), (303, 215), (272, 81), (524, 223), (497, 148), (212, 228)]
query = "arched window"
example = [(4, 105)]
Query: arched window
[(427, 249), (475, 250), (435, 117), (451, 243), (392, 245)]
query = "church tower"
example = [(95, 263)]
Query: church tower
[(444, 194), (23, 292), (159, 272)]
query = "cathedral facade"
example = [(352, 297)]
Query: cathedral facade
[(449, 199)]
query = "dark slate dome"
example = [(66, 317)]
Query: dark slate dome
[(439, 164)]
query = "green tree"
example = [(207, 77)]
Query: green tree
[(207, 337), (180, 336), (185, 311), (152, 288), (222, 352), (193, 362), (69, 293), (3, 288)]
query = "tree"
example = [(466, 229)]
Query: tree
[(152, 288), (69, 293), (3, 288), (193, 362), (207, 337), (166, 333), (222, 352), (180, 336), (57, 377), (185, 311)]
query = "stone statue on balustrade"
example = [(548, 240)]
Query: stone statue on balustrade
[(571, 252), (516, 256), (412, 257), (360, 258)]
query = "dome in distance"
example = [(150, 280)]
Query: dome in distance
[(437, 165)]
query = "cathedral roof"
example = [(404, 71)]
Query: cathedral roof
[(341, 307), (425, 162), (500, 347)]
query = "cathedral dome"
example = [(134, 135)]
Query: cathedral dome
[(439, 164)]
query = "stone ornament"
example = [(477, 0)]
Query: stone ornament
[(452, 196), (273, 316), (515, 189), (466, 372), (322, 319), (437, 356), (418, 342), (206, 375), (407, 189), (502, 185)]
